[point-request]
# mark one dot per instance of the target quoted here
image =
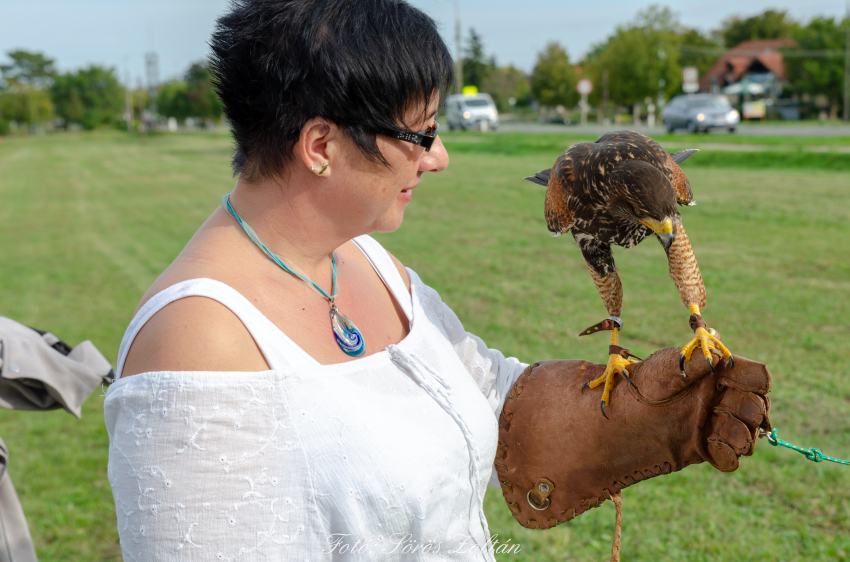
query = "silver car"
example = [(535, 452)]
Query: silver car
[(699, 113), (471, 111)]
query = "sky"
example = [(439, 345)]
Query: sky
[(117, 33)]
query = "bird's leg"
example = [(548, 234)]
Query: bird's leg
[(705, 339), (616, 364)]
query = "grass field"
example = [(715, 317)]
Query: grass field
[(88, 221)]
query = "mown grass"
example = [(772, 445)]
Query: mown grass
[(755, 153), (88, 221)]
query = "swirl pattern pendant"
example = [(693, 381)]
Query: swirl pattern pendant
[(347, 335)]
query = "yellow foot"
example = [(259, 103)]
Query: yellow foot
[(616, 364), (705, 339)]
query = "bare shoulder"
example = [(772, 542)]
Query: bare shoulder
[(194, 334), (402, 271)]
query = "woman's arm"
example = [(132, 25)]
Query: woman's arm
[(193, 334)]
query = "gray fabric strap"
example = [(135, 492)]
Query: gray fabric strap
[(38, 372), (35, 375), (15, 540)]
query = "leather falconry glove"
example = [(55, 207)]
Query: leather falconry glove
[(558, 457)]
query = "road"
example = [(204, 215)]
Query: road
[(749, 130)]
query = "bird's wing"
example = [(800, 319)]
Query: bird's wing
[(684, 269), (559, 188), (680, 182), (600, 262)]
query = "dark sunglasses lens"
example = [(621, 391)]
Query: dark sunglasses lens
[(427, 141)]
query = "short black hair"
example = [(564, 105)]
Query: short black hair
[(361, 64)]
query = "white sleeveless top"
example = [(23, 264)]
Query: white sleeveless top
[(386, 457)]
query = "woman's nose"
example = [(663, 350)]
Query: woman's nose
[(436, 159)]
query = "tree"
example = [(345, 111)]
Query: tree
[(699, 57), (553, 80), (172, 100), (771, 24), (25, 104), (91, 96), (476, 66), (821, 75), (641, 58), (202, 97), (22, 83), (32, 69), (505, 83), (191, 97)]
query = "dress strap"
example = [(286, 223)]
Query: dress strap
[(387, 270), (278, 349)]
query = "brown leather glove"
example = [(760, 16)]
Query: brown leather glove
[(558, 456)]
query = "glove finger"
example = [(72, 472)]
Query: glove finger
[(732, 431), (725, 459), (748, 407), (765, 424), (747, 376)]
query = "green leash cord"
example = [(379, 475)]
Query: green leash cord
[(813, 455)]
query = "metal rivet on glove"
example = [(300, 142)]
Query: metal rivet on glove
[(538, 495)]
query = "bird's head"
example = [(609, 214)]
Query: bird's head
[(643, 194)]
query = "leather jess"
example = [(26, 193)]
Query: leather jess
[(558, 456)]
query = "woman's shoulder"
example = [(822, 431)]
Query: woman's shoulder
[(193, 333)]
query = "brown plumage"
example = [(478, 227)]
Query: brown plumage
[(614, 192)]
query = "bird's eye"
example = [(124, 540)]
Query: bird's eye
[(639, 214)]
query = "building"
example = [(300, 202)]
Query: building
[(757, 61)]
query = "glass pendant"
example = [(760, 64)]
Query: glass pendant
[(347, 335)]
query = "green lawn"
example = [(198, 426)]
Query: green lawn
[(88, 221)]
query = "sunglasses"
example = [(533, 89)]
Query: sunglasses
[(422, 138)]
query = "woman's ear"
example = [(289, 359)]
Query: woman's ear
[(312, 150)]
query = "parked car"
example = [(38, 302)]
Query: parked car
[(699, 113), (471, 111)]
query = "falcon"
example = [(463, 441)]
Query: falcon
[(617, 191)]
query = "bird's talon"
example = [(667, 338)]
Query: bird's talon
[(602, 405), (710, 366), (682, 364), (616, 366), (730, 363)]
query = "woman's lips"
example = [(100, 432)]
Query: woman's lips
[(406, 194)]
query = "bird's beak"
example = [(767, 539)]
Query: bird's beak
[(663, 229)]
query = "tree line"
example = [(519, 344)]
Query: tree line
[(640, 59), (33, 93), (644, 59)]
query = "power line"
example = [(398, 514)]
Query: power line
[(798, 53)]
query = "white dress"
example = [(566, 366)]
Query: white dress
[(381, 458)]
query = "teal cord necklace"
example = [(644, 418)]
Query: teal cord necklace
[(347, 335)]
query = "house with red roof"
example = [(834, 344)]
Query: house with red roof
[(758, 57)]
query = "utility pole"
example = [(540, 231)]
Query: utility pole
[(128, 95), (458, 47), (605, 95), (847, 66)]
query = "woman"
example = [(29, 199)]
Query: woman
[(288, 389)]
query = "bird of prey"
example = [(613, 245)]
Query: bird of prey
[(617, 191)]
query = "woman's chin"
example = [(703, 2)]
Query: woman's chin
[(391, 220)]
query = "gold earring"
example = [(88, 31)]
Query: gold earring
[(325, 167)]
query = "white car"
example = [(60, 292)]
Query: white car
[(699, 113), (471, 111)]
